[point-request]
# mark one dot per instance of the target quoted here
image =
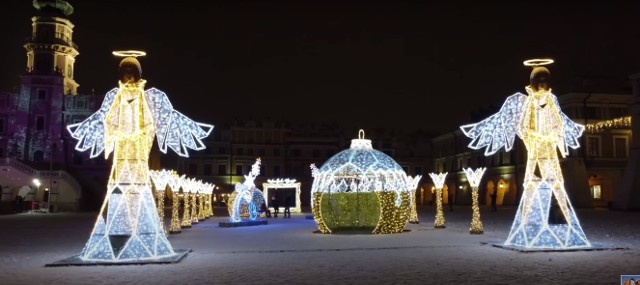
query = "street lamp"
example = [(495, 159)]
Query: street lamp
[(37, 183)]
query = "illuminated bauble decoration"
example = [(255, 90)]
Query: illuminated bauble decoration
[(361, 189), (537, 119), (246, 198)]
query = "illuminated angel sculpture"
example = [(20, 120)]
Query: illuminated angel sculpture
[(537, 119), (246, 196), (128, 228)]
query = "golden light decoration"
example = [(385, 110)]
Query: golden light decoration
[(438, 182), (413, 185), (537, 62), (160, 179), (175, 182), (622, 122), (201, 197), (129, 53), (474, 177), (193, 193), (128, 227), (186, 204), (360, 189), (544, 129)]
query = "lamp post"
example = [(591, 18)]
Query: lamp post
[(37, 183)]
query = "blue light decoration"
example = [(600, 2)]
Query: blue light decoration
[(128, 228), (537, 119), (247, 195)]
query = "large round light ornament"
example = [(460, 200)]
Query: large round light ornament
[(360, 189)]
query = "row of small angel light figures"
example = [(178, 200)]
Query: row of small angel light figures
[(195, 194)]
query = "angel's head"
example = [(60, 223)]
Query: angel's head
[(130, 70), (540, 77)]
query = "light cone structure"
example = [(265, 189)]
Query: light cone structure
[(537, 119), (128, 227), (413, 185), (438, 182)]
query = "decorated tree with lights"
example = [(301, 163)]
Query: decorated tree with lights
[(474, 177), (413, 185), (128, 228), (438, 182), (246, 196), (537, 119)]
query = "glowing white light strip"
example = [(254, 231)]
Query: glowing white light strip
[(474, 176), (539, 122)]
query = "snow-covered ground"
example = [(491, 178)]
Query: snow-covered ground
[(287, 251)]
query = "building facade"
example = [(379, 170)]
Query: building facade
[(33, 121)]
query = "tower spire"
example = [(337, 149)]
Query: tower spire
[(50, 49)]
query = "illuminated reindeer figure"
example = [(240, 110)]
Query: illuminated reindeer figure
[(246, 194)]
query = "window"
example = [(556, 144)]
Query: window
[(38, 155), (417, 171), (296, 153), (276, 152), (239, 151), (1, 125), (596, 191), (222, 150), (276, 170), (42, 94), (250, 151), (593, 146), (39, 123), (315, 153), (222, 169), (239, 169), (80, 104), (207, 169), (620, 147), (261, 152), (460, 163), (193, 169)]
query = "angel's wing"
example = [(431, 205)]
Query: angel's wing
[(498, 130), (90, 133), (571, 131), (173, 129)]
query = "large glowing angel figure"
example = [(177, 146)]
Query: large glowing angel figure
[(537, 119), (246, 195), (128, 227)]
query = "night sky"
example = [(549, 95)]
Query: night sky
[(398, 64)]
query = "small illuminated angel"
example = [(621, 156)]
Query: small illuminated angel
[(128, 227), (247, 195), (537, 119)]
